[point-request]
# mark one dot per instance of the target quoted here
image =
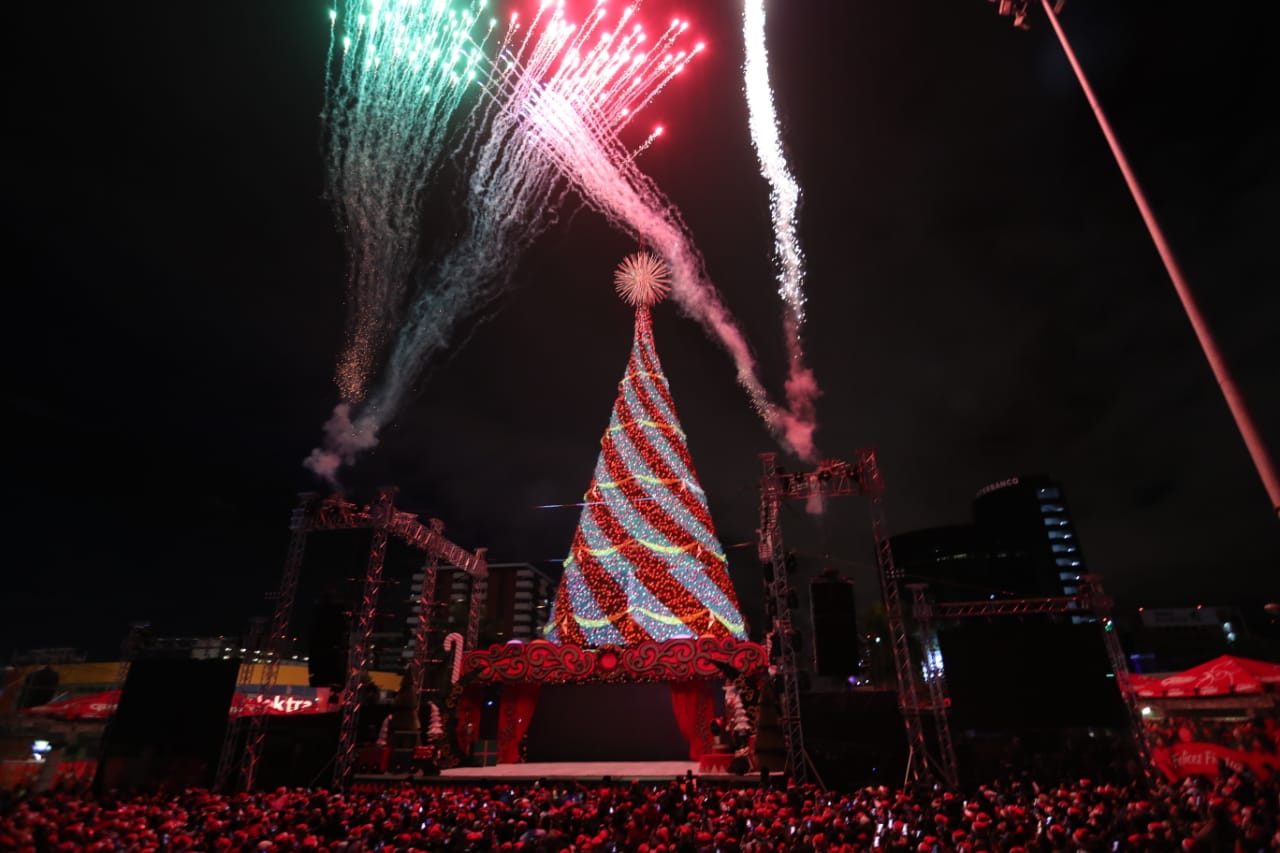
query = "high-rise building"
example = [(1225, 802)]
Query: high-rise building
[(518, 600), (1032, 516), (517, 603), (1022, 543)]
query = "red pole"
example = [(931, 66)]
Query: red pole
[(1244, 422)]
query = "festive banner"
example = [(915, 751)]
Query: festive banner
[(1205, 759), (102, 706)]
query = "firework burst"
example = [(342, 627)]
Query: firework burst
[(642, 279)]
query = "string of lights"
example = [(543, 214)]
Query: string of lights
[(645, 563)]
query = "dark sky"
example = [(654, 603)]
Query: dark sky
[(984, 301)]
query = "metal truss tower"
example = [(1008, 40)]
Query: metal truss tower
[(334, 513), (1089, 600), (835, 478), (427, 605), (778, 588), (300, 522), (358, 655), (250, 656)]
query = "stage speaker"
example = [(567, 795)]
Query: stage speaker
[(169, 725), (328, 647), (835, 625)]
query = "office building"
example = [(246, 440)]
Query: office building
[(1022, 543)]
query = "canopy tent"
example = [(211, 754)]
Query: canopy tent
[(95, 706), (1145, 685), (1221, 676)]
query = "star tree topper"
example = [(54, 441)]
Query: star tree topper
[(642, 279)]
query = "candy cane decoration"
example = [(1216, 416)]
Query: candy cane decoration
[(453, 643)]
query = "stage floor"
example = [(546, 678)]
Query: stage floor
[(583, 771), (643, 770)]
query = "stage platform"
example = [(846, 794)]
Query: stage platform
[(580, 771)]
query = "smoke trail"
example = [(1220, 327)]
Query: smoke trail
[(510, 201), (802, 388), (344, 440), (599, 168), (512, 192), (554, 105), (397, 72)]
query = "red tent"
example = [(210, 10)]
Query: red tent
[(1267, 673), (1145, 685), (95, 706), (1218, 677)]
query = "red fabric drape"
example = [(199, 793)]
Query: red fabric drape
[(514, 715), (694, 706), (468, 719)]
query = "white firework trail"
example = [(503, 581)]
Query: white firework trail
[(784, 203), (600, 170)]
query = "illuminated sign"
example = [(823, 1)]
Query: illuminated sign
[(997, 486), (246, 705)]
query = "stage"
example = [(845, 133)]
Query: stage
[(581, 771)]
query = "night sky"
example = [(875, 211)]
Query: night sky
[(984, 301)]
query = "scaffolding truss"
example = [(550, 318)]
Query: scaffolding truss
[(314, 515), (916, 700), (427, 605), (229, 757), (836, 478), (1090, 600)]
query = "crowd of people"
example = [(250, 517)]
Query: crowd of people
[(1258, 735), (1232, 813)]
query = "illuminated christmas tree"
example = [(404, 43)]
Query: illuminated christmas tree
[(645, 562)]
